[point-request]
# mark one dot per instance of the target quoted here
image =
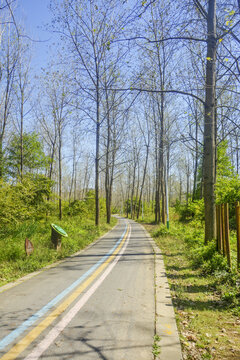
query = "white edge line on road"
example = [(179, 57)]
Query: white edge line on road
[(32, 319), (54, 333), (19, 281)]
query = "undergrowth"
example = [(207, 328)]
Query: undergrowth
[(14, 262), (207, 260), (205, 292)]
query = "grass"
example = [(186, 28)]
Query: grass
[(206, 298), (13, 261), (156, 349)]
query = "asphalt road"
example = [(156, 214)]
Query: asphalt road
[(99, 304)]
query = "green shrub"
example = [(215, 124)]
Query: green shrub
[(192, 210), (161, 231), (85, 207), (227, 187), (24, 200), (216, 263), (227, 286), (76, 207), (208, 259)]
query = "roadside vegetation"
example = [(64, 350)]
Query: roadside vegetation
[(205, 285), (26, 212), (205, 292), (30, 203)]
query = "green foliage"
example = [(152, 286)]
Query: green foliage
[(227, 284), (33, 155), (203, 259), (115, 210), (224, 166), (85, 207), (77, 207), (197, 208), (192, 210), (23, 200), (228, 183), (203, 303), (13, 260), (127, 205), (208, 259), (39, 186), (227, 189), (161, 231), (156, 349), (12, 208)]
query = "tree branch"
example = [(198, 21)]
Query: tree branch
[(161, 40), (160, 92)]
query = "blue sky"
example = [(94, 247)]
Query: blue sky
[(34, 14)]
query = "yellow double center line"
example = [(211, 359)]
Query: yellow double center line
[(35, 332)]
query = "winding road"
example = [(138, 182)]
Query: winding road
[(98, 304)]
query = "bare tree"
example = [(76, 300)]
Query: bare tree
[(146, 134), (9, 58), (23, 92), (209, 152), (89, 29), (58, 109)]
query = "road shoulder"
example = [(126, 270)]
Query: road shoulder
[(166, 327)]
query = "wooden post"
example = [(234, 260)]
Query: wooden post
[(223, 230), (28, 247), (238, 233), (56, 239), (219, 229), (217, 222), (227, 238)]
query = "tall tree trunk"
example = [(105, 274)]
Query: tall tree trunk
[(75, 183), (137, 189), (133, 187), (60, 176), (72, 181), (1, 157), (21, 136), (6, 101), (128, 191), (143, 181), (110, 192), (237, 153), (196, 159), (85, 181), (157, 167), (107, 175), (97, 175), (209, 167), (188, 179), (157, 197), (161, 159), (97, 157), (107, 171), (180, 189)]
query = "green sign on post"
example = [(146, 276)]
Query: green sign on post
[(57, 233)]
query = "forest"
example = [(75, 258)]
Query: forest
[(135, 112)]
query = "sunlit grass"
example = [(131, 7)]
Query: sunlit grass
[(14, 263), (207, 304)]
